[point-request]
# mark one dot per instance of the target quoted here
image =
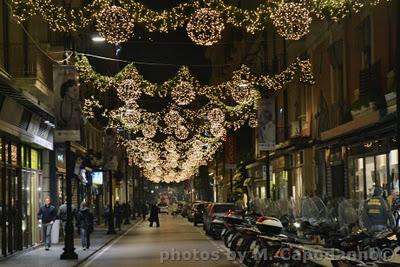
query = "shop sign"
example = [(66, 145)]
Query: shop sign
[(66, 105), (266, 124)]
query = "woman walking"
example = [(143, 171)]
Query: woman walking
[(154, 215), (84, 222)]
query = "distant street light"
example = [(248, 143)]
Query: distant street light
[(98, 39)]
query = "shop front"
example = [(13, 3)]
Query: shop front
[(22, 194), (372, 163), (279, 179)]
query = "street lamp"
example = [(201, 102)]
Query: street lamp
[(98, 39)]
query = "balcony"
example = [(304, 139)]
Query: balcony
[(32, 71)]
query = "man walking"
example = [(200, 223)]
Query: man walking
[(47, 214), (62, 215)]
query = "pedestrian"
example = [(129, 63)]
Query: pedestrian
[(127, 212), (106, 214), (144, 210), (62, 215), (118, 215), (154, 215), (47, 214), (84, 222)]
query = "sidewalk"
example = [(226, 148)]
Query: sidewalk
[(39, 257)]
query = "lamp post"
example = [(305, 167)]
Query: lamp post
[(69, 250), (126, 193), (111, 229), (397, 75)]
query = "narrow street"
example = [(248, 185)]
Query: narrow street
[(175, 243)]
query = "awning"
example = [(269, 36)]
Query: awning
[(384, 127), (26, 100)]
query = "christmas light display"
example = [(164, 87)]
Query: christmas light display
[(114, 24), (205, 27), (291, 20)]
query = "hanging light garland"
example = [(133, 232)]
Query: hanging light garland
[(128, 91), (57, 16), (242, 91), (205, 27), (149, 130), (191, 136), (114, 24), (216, 115), (183, 93), (181, 132), (63, 20), (131, 117), (291, 20), (217, 130)]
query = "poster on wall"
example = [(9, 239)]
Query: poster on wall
[(266, 124), (230, 152), (67, 106)]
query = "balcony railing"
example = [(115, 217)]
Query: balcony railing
[(29, 62)]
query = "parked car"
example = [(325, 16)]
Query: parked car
[(190, 211), (163, 207), (185, 210), (213, 218), (198, 212)]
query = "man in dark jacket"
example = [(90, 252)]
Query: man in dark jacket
[(84, 222), (62, 215), (118, 215), (154, 215), (47, 214)]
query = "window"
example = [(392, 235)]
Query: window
[(370, 174), (381, 171), (365, 42), (393, 162)]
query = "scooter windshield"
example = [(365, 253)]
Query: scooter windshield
[(347, 212), (314, 210)]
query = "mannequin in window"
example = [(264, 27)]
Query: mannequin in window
[(69, 110)]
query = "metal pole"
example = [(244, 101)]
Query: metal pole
[(69, 250), (134, 205), (397, 74), (126, 193), (111, 229), (268, 176), (231, 180), (216, 177)]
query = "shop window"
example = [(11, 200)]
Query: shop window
[(358, 179), (14, 153), (394, 174), (381, 171), (262, 192), (370, 174), (297, 188)]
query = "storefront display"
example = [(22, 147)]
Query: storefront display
[(371, 164)]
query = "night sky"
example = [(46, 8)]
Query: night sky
[(171, 48)]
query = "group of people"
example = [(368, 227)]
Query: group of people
[(48, 214), (120, 212)]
